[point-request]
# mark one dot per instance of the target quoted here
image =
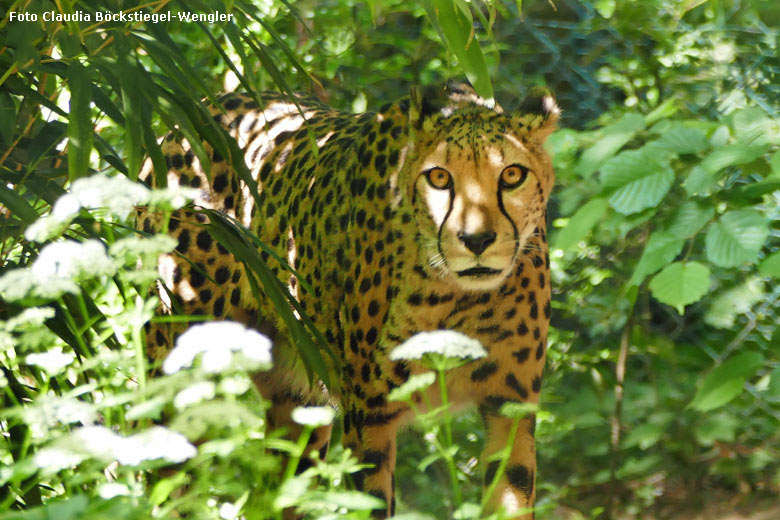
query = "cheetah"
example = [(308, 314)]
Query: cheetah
[(428, 214)]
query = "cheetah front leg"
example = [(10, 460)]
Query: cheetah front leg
[(371, 435), (515, 491)]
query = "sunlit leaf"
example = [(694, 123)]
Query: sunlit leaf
[(637, 179), (682, 139), (736, 238), (704, 175), (726, 381), (681, 284), (689, 219), (661, 248)]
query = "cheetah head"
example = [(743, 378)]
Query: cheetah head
[(480, 180)]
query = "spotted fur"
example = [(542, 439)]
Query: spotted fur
[(428, 214)]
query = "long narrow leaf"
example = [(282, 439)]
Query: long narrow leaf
[(18, 206), (79, 121), (131, 101), (226, 234)]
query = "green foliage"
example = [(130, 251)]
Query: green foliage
[(678, 208)]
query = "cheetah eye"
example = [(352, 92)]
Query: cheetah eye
[(513, 176), (439, 178)]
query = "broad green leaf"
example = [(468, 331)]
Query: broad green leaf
[(682, 139), (736, 237), (661, 248), (638, 179), (612, 138), (79, 121), (704, 175), (461, 41), (770, 266), (740, 152), (725, 308), (580, 223), (726, 381), (681, 284), (754, 125), (689, 219)]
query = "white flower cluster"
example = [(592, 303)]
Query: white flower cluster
[(56, 270), (118, 196), (314, 416), (218, 341), (447, 343), (102, 443)]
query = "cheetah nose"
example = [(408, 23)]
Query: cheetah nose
[(477, 242)]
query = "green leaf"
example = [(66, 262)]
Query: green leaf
[(462, 42), (726, 381), (132, 103), (689, 219), (605, 8), (736, 238), (18, 206), (581, 223), (228, 234), (162, 489), (612, 138), (681, 284), (79, 121), (752, 193), (703, 176), (638, 179), (681, 139), (661, 248), (754, 125), (771, 265)]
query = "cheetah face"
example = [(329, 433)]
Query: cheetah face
[(480, 193)]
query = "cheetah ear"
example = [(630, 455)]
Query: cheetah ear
[(538, 113), (424, 102), (443, 99)]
